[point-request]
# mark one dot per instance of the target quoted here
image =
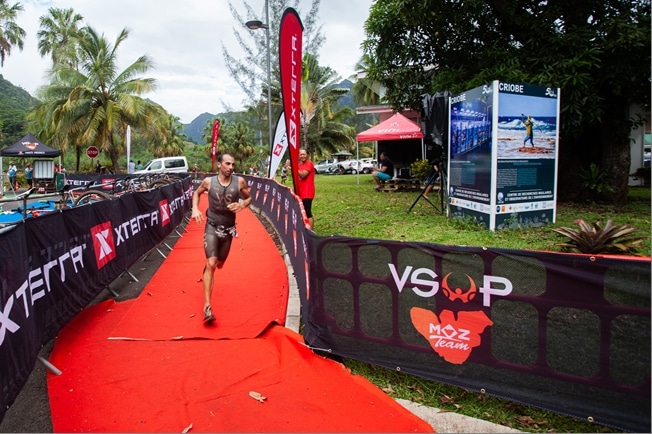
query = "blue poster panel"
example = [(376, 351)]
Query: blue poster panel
[(526, 153), (470, 154)]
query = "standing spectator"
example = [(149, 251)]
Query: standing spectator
[(131, 167), (306, 185), (284, 172), (227, 195), (98, 167), (11, 172), (384, 172), (432, 178), (28, 175), (139, 165)]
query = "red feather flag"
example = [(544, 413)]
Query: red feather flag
[(216, 133), (290, 56)]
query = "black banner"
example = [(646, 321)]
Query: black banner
[(53, 266), (570, 333)]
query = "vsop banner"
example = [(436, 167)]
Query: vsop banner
[(290, 56)]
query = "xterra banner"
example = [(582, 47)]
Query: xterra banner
[(53, 266), (290, 48)]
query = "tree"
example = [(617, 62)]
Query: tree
[(364, 90), (236, 138), (251, 72), (167, 137), (58, 35), (94, 103), (322, 124), (597, 52), (11, 34)]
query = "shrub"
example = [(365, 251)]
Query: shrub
[(592, 239), (420, 169)]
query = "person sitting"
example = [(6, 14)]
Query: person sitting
[(384, 171)]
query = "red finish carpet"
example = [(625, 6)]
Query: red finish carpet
[(150, 364)]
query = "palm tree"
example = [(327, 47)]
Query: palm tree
[(168, 140), (11, 34), (365, 91), (320, 92), (93, 103), (58, 35)]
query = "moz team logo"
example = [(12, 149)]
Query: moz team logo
[(103, 244), (452, 334)]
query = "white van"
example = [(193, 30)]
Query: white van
[(165, 165)]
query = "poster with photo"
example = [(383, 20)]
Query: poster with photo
[(503, 143), (470, 154), (526, 153)]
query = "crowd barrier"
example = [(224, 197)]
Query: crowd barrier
[(53, 266), (570, 333)]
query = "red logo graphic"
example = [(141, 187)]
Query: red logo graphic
[(103, 244), (453, 339), (458, 293), (30, 145), (165, 212)]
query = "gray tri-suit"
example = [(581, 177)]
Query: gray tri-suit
[(220, 220)]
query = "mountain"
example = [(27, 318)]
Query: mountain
[(15, 103), (195, 129)]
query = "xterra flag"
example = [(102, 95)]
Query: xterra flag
[(290, 56), (216, 133), (279, 146)]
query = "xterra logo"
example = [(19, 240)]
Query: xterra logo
[(103, 244), (164, 207)]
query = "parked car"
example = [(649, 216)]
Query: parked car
[(367, 165), (349, 166), (325, 166)]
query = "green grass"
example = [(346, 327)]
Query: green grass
[(348, 205)]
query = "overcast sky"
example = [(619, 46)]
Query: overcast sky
[(184, 38)]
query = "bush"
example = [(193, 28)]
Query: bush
[(420, 169)]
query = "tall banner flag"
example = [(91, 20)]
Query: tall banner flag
[(216, 133), (128, 147), (290, 55), (279, 146)]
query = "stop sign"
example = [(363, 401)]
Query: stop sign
[(92, 152)]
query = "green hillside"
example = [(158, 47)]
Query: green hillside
[(15, 103)]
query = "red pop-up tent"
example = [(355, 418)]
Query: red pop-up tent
[(397, 127)]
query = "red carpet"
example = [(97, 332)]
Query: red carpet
[(249, 293), (138, 366)]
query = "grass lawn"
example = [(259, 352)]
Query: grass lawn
[(348, 205)]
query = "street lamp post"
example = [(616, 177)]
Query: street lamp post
[(254, 25)]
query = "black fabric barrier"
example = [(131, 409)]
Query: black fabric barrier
[(569, 333), (53, 266)]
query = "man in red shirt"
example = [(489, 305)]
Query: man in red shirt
[(306, 185)]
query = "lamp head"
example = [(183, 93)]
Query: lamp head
[(256, 24)]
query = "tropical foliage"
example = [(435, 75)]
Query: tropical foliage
[(57, 36), (93, 103), (591, 238), (322, 118), (11, 34), (597, 52)]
